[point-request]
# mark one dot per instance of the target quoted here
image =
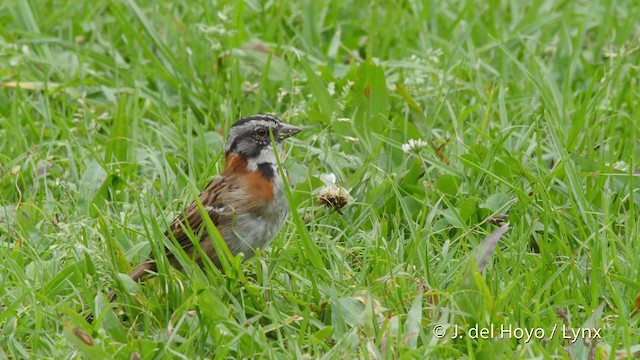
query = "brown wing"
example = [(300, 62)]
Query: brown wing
[(213, 203), (212, 200)]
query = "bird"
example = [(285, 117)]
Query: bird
[(246, 202)]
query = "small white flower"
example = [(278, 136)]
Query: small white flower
[(15, 170), (348, 86), (282, 93), (222, 16), (250, 87), (331, 88), (621, 165), (328, 179), (414, 145)]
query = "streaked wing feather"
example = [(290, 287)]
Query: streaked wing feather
[(190, 218)]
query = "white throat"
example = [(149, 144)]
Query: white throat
[(265, 156)]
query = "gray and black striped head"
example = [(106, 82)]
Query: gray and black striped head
[(249, 136)]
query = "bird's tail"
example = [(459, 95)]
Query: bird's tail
[(142, 271)]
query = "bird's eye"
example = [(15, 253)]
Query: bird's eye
[(261, 131)]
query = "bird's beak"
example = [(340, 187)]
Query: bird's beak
[(287, 131)]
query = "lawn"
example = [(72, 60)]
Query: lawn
[(488, 154)]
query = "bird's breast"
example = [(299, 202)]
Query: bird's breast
[(256, 228), (255, 231)]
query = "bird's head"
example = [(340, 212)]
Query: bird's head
[(249, 139)]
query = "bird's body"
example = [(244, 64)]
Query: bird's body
[(246, 203)]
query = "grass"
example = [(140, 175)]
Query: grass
[(112, 119)]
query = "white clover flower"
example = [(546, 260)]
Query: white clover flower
[(414, 145)]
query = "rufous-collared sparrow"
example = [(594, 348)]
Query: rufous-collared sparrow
[(246, 203)]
